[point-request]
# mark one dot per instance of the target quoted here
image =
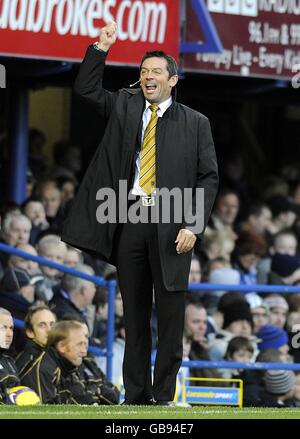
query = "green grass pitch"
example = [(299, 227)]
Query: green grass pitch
[(143, 412)]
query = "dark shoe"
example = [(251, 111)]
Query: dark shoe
[(167, 403)]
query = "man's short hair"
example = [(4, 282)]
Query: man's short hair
[(5, 312), (61, 330), (171, 63), (31, 312), (73, 284)]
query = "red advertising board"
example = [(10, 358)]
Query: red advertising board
[(62, 29), (259, 37)]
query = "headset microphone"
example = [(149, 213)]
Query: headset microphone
[(132, 85)]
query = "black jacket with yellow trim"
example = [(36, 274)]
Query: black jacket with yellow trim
[(8, 375), (57, 381)]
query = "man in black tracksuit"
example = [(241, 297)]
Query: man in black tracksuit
[(62, 374), (8, 372)]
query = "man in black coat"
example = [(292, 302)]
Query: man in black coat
[(145, 126)]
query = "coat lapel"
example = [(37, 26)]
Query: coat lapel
[(133, 119)]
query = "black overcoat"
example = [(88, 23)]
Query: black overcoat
[(185, 158)]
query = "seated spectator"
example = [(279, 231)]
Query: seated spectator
[(259, 220), (196, 323), (217, 244), (279, 308), (237, 322), (284, 243), (280, 385), (254, 387), (35, 211), (241, 350), (38, 323), (52, 248), (67, 186), (74, 295), (285, 269), (15, 231), (225, 212), (73, 257), (50, 196), (8, 372), (259, 310), (26, 264), (271, 336), (284, 213), (217, 317), (249, 248)]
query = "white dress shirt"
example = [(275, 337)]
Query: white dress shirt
[(163, 106)]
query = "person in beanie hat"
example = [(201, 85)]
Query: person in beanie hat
[(286, 268), (238, 318), (280, 383), (237, 322), (271, 336)]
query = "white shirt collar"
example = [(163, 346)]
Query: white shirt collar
[(163, 106)]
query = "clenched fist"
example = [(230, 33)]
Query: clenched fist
[(108, 36)]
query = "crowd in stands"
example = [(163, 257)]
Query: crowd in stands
[(249, 240)]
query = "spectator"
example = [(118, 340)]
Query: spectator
[(31, 267), (226, 210), (35, 211), (217, 244), (15, 231), (271, 336), (73, 257), (259, 220), (285, 243), (249, 247), (284, 213), (75, 295), (67, 186), (50, 196), (195, 271), (280, 384), (259, 310), (278, 307), (52, 248), (240, 350), (237, 322), (285, 269), (196, 323)]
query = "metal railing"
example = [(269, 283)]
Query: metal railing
[(111, 285)]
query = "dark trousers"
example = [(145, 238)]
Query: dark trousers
[(139, 270)]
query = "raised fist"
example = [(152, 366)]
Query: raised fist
[(108, 36)]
